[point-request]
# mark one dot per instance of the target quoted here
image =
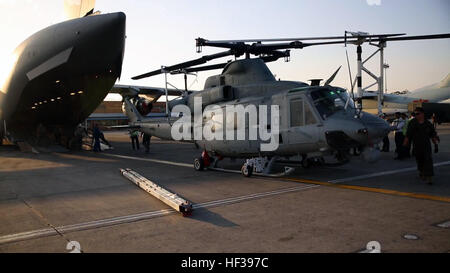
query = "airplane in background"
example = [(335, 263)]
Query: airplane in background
[(60, 75), (435, 93)]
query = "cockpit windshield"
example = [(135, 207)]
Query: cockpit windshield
[(331, 100)]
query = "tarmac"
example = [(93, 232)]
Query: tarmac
[(50, 199)]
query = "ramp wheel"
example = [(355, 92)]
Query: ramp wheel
[(198, 164), (247, 170)]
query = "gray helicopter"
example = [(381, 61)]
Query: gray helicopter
[(245, 112)]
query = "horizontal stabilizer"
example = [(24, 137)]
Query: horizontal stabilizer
[(151, 92), (124, 127)]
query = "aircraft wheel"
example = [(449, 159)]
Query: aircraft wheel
[(306, 163), (198, 164), (321, 161), (342, 157), (247, 170)]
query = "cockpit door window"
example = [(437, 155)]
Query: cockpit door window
[(297, 113), (301, 113), (309, 116)]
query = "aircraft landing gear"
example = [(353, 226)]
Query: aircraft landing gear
[(342, 156), (200, 163), (261, 166), (247, 170), (308, 162), (305, 162)]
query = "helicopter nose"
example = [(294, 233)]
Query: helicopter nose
[(377, 128), (345, 132)]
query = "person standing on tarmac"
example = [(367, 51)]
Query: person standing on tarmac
[(146, 142), (420, 130), (406, 150), (397, 126), (134, 135), (97, 135), (386, 143), (434, 120)]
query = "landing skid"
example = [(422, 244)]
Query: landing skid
[(288, 170), (259, 166)]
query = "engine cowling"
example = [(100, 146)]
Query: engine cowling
[(144, 106)]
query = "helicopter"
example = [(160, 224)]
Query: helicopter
[(245, 112)]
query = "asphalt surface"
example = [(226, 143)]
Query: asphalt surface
[(50, 199)]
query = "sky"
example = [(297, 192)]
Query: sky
[(163, 33)]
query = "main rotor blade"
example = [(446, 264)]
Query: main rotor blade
[(214, 42), (332, 77), (200, 68), (204, 42), (257, 48), (350, 39), (195, 62), (419, 37)]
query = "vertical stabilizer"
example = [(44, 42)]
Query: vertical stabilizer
[(78, 8), (130, 111)]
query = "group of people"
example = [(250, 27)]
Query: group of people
[(415, 132), (134, 136), (400, 127), (98, 136)]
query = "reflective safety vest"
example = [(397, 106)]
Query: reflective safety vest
[(135, 133), (405, 128)]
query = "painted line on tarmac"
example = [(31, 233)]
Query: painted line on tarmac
[(348, 179), (445, 224), (34, 234), (374, 190), (445, 163), (336, 184), (251, 197), (153, 160), (333, 183)]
